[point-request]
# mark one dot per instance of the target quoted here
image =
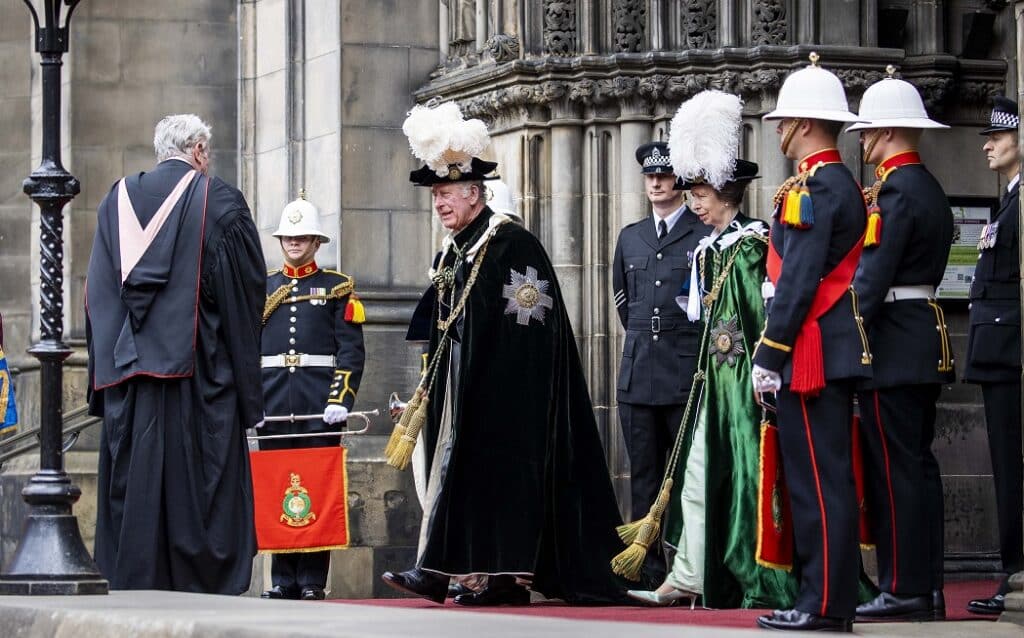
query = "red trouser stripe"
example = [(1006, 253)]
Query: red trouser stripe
[(821, 504), (888, 482)]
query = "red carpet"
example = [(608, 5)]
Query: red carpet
[(957, 595)]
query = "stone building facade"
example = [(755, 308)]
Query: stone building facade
[(312, 93)]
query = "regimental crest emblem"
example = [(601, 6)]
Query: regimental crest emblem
[(297, 505), (295, 216), (727, 342), (318, 292), (527, 296)]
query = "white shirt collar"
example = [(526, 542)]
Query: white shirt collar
[(1009, 187), (670, 221)]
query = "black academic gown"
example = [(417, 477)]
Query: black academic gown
[(174, 506), (525, 488)]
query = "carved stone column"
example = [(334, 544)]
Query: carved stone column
[(566, 247)]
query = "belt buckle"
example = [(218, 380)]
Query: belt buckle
[(291, 360), (655, 324)]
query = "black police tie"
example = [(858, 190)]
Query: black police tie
[(662, 229)]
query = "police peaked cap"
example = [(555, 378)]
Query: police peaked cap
[(1004, 115), (653, 158)]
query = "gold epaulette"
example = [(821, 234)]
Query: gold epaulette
[(787, 186)]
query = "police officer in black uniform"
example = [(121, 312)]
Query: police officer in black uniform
[(312, 359), (910, 229), (651, 269), (813, 350), (993, 344)]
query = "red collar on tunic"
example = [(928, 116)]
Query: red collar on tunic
[(298, 272), (895, 161), (826, 156)]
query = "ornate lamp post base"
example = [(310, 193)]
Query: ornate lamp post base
[(51, 557)]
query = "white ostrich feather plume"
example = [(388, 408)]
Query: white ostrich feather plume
[(704, 137), (439, 136)]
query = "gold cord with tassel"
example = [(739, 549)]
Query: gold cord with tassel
[(402, 441), (640, 535)]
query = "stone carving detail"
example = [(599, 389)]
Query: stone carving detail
[(700, 24), (978, 91), (503, 47), (560, 27), (934, 90), (856, 80), (630, 16), (769, 22)]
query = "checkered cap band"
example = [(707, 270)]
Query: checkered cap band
[(1002, 119), (657, 159)]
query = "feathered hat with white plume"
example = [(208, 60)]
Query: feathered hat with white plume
[(447, 143), (704, 138)]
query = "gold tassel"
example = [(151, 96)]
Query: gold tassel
[(402, 453), (640, 535), (403, 422)]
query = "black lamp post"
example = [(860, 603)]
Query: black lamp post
[(51, 557)]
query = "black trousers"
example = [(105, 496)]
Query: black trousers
[(815, 439), (904, 488), (649, 432), (1002, 418), (297, 570)]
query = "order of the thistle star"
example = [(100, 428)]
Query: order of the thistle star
[(527, 296)]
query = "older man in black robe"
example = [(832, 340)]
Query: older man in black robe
[(174, 298)]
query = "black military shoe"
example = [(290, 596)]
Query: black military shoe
[(433, 587), (457, 589), (278, 592), (988, 606), (938, 605), (795, 620), (496, 595), (313, 593), (892, 607)]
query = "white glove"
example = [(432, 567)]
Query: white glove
[(765, 380), (259, 425), (335, 414)]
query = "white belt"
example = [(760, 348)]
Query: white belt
[(297, 361), (902, 293)]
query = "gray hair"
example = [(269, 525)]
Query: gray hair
[(177, 135), (466, 186)]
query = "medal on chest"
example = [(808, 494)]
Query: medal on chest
[(319, 296), (989, 234)]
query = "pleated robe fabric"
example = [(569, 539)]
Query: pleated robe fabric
[(731, 425)]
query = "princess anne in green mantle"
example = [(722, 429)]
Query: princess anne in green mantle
[(710, 516)]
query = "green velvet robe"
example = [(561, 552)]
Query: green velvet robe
[(732, 578)]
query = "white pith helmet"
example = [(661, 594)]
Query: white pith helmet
[(300, 218), (893, 103), (812, 93)]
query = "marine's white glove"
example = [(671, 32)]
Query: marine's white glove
[(335, 414), (765, 380), (259, 425)]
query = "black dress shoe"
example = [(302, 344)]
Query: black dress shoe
[(893, 607), (988, 606), (418, 582), (457, 589), (938, 605), (278, 592), (313, 593), (500, 590), (795, 620)]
